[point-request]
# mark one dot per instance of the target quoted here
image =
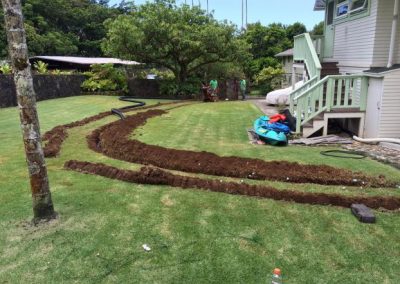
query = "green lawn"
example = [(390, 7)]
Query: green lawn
[(195, 236)]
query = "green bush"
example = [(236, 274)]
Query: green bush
[(269, 79), (104, 77), (59, 72), (41, 67), (5, 69), (188, 89), (164, 74)]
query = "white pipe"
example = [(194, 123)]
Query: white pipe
[(394, 33), (376, 140)]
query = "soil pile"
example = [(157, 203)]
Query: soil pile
[(113, 141), (56, 136), (154, 176)]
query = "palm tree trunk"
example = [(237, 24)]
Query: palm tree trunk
[(18, 50)]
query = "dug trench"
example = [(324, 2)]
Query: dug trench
[(113, 140), (56, 136), (155, 176)]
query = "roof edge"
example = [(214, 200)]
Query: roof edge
[(319, 5)]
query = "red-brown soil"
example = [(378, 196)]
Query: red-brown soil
[(155, 176), (56, 136), (113, 141)]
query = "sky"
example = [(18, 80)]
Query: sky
[(264, 11)]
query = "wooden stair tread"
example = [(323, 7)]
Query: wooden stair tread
[(345, 110)]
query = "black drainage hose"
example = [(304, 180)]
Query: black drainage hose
[(343, 154), (119, 111)]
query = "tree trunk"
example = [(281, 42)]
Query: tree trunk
[(41, 196), (182, 74)]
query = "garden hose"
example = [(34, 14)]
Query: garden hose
[(337, 154), (119, 111)]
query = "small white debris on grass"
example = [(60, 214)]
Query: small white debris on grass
[(287, 178), (146, 247)]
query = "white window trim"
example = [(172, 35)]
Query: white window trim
[(363, 7), (349, 11)]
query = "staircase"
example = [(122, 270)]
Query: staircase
[(326, 94)]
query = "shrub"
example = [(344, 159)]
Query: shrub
[(269, 79), (188, 89), (41, 67), (5, 69), (164, 74), (104, 77), (59, 72)]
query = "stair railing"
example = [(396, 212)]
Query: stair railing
[(304, 50), (330, 93), (301, 90)]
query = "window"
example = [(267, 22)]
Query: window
[(349, 7), (342, 8), (358, 5)]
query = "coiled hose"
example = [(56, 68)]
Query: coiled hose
[(119, 111)]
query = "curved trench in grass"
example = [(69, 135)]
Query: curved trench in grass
[(113, 141)]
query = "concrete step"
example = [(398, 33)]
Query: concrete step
[(311, 127)]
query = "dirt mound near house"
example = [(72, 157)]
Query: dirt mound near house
[(113, 141), (156, 176)]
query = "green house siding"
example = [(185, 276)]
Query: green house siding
[(383, 33), (354, 40), (390, 106)]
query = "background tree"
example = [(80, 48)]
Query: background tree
[(183, 39), (318, 29), (65, 27), (295, 29), (41, 196), (266, 42)]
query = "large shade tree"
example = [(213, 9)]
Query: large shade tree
[(18, 50), (66, 27), (183, 39)]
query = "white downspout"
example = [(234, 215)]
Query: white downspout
[(394, 33)]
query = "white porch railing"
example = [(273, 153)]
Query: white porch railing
[(332, 92), (304, 51)]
